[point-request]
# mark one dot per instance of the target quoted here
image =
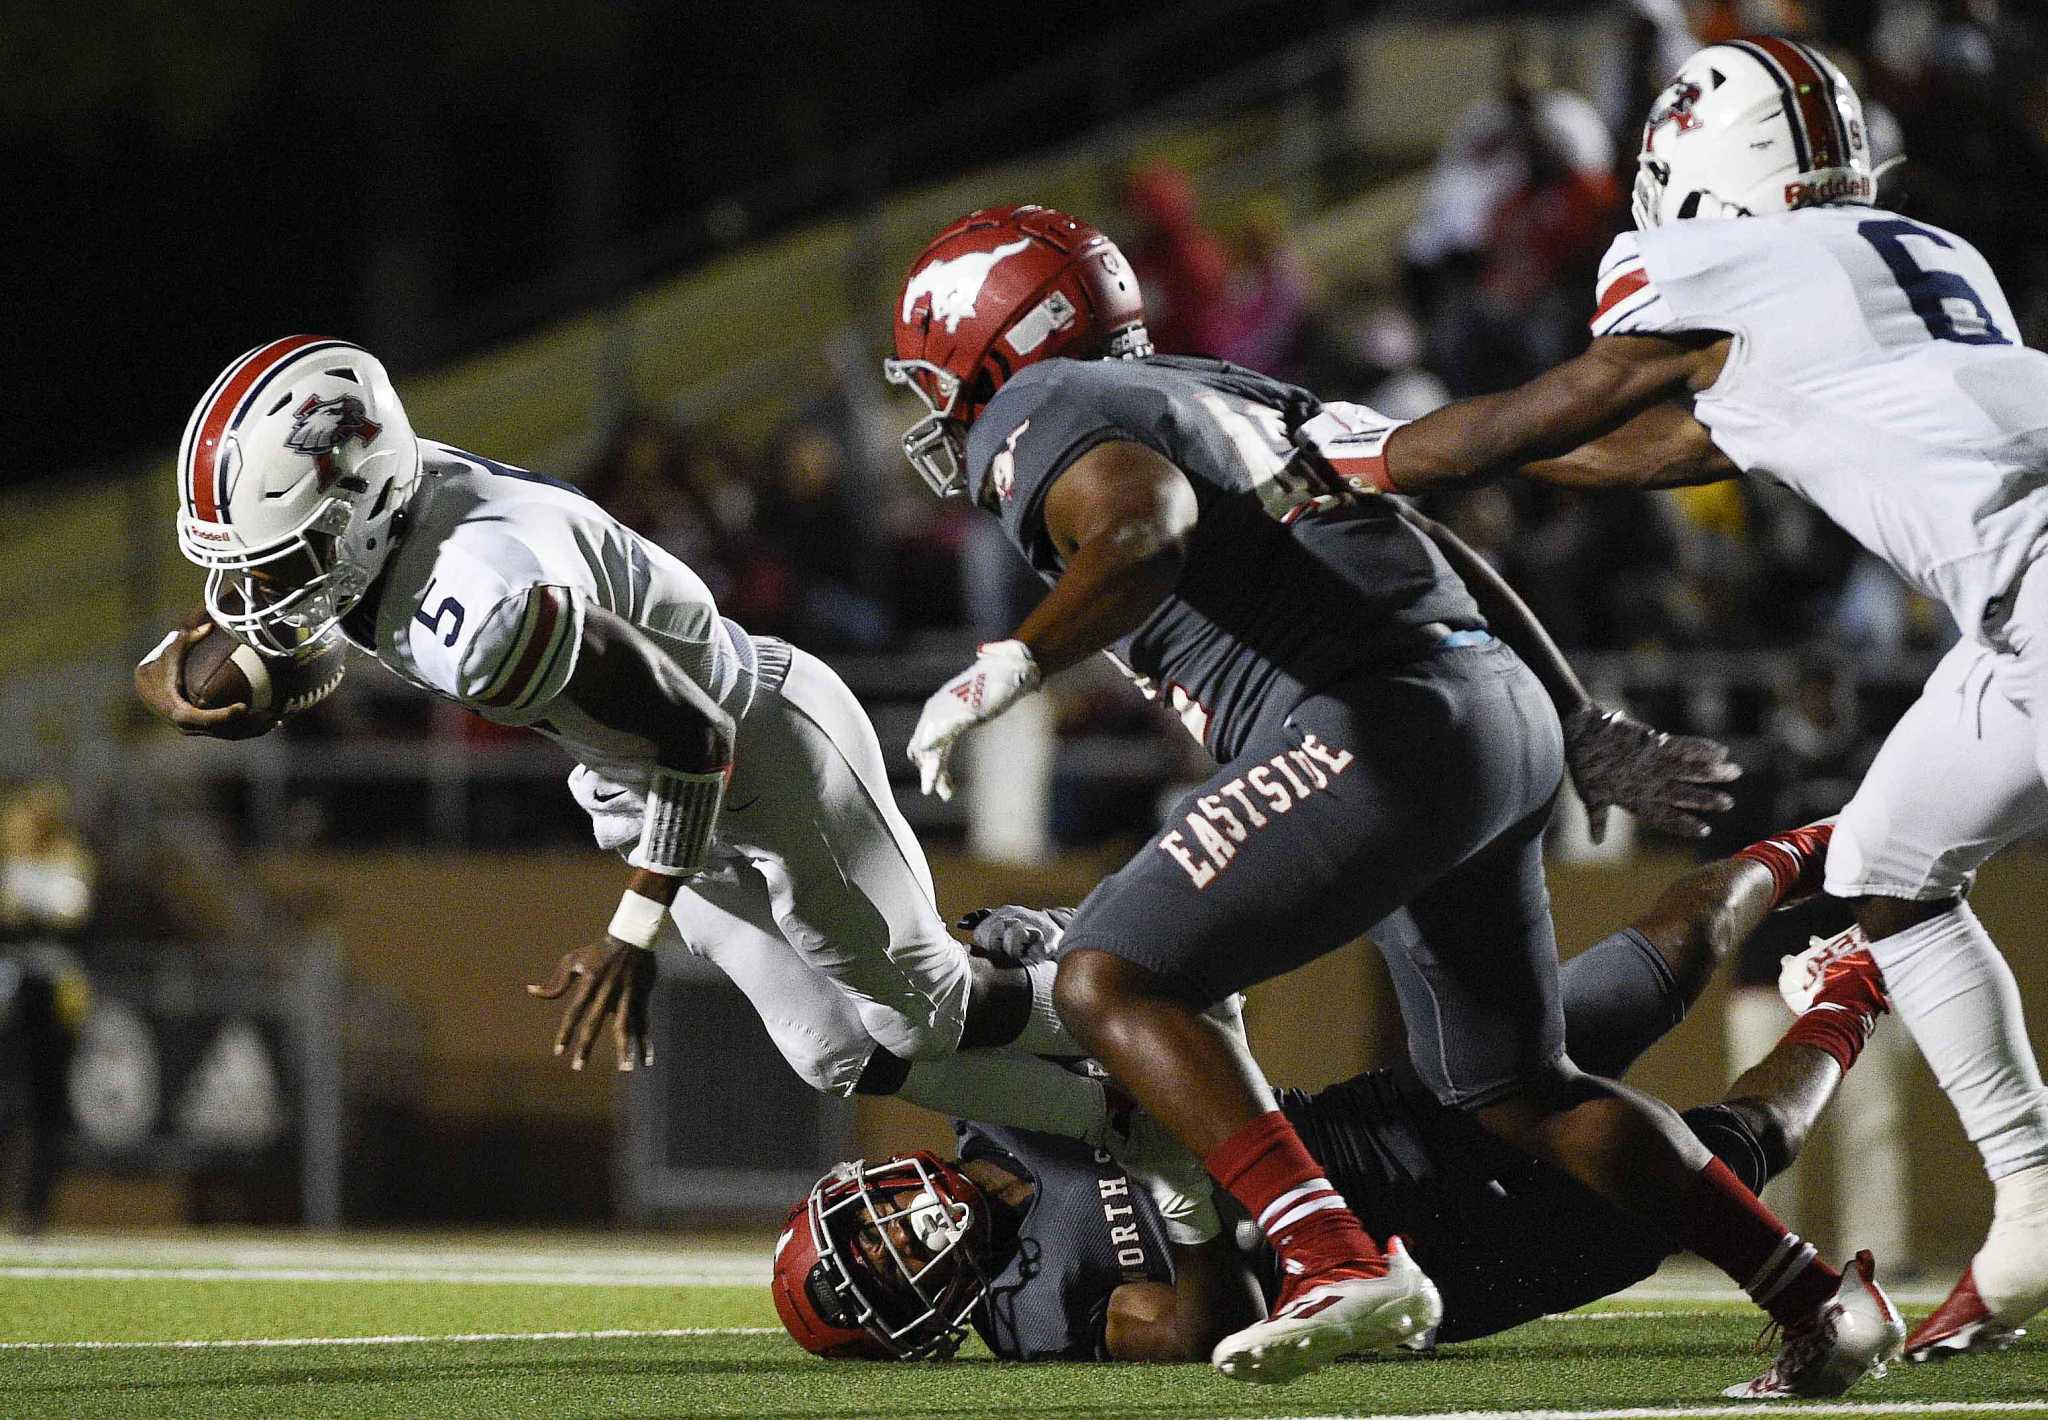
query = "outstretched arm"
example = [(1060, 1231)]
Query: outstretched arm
[(1541, 423), (1666, 780), (623, 680)]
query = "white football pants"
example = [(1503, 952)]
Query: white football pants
[(820, 905), (1963, 774)]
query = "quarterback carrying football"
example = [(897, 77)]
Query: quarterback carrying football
[(1388, 763), (1767, 318), (736, 773)]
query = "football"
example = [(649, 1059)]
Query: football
[(219, 670)]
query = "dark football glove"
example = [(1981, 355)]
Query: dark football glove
[(1017, 936), (1664, 780)]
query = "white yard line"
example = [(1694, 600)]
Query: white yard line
[(265, 1342), (1661, 1412), (752, 1274)]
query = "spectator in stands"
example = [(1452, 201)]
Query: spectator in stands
[(46, 882), (1181, 265), (1266, 300), (1499, 263)]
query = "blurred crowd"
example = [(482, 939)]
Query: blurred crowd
[(816, 531)]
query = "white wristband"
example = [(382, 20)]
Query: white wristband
[(682, 812), (638, 920)]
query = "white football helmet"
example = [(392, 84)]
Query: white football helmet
[(1752, 126), (291, 476)]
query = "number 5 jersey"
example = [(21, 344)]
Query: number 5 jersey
[(484, 600), (1876, 370)]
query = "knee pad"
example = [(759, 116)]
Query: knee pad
[(1749, 1155)]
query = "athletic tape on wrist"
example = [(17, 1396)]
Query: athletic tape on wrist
[(638, 920), (682, 812)]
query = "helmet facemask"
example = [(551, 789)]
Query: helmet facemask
[(294, 474), (287, 596), (898, 1246), (936, 445)]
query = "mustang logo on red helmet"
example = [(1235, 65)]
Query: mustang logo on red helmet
[(953, 283)]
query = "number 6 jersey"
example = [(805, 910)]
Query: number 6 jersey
[(1875, 370)]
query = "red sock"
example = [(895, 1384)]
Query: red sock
[(1266, 1168), (1730, 1227), (1835, 1029), (1797, 859)]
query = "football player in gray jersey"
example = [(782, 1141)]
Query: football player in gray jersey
[(1387, 764), (1063, 1257)]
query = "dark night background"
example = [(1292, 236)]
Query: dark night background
[(188, 180)]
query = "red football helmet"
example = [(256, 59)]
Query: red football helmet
[(883, 1261), (1002, 288)]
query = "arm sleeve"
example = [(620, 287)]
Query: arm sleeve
[(1626, 300), (522, 654)]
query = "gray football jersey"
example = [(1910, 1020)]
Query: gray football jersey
[(1088, 1229), (1278, 597)]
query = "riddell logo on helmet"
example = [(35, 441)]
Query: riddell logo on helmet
[(1834, 189), (953, 284), (212, 534)]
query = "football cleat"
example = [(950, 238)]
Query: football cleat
[(1848, 1337), (1960, 1325), (1827, 967), (1322, 1317)]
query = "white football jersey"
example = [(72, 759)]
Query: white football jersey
[(485, 598), (1875, 370)]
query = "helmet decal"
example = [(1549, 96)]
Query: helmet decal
[(238, 385), (953, 283), (320, 426), (1675, 107)]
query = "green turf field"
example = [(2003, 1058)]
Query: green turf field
[(224, 1327)]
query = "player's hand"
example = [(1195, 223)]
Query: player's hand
[(1003, 674), (156, 682), (609, 984), (1664, 780), (1017, 936)]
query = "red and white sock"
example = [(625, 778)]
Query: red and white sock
[(1842, 1015), (1796, 858), (1729, 1226), (1267, 1169)]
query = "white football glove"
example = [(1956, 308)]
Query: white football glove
[(1002, 675)]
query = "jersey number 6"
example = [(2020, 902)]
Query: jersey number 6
[(1947, 305)]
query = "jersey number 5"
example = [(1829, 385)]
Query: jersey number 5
[(1947, 305), (449, 607)]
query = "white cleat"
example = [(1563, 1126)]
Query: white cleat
[(1825, 961), (1849, 1336), (1309, 1330)]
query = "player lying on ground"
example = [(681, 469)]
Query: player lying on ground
[(737, 773), (1389, 750), (1051, 1252), (1766, 319)]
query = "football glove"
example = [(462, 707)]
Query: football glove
[(1002, 675), (1664, 780), (1017, 936)]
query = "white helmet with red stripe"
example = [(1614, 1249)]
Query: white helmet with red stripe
[(291, 477), (1752, 126)]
